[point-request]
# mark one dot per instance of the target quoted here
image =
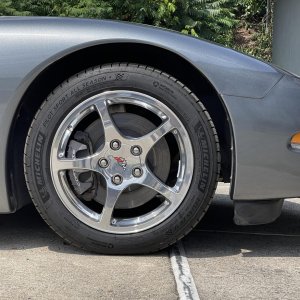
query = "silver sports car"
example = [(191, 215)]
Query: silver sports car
[(119, 133)]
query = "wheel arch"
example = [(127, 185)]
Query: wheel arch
[(80, 59)]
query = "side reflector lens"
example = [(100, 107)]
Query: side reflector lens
[(295, 141)]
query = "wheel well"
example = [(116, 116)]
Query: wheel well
[(75, 62)]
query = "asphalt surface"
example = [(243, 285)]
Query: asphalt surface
[(226, 261)]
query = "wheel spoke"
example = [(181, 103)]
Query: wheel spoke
[(110, 130), (149, 140), (154, 183), (86, 163), (112, 196)]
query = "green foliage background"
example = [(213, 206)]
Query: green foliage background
[(238, 24)]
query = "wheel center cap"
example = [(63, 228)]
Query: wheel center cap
[(121, 161)]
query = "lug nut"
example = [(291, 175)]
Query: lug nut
[(115, 144), (136, 150), (117, 179), (103, 162), (137, 172)]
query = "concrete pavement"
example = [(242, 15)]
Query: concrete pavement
[(227, 261), (36, 264), (256, 262)]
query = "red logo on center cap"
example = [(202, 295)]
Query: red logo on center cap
[(121, 161)]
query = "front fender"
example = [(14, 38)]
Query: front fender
[(30, 44)]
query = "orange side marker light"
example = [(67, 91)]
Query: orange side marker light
[(295, 141)]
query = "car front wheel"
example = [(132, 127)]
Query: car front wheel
[(121, 158)]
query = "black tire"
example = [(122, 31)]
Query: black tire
[(131, 77)]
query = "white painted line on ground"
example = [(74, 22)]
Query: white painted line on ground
[(184, 279)]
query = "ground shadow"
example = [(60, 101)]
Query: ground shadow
[(25, 229), (216, 235)]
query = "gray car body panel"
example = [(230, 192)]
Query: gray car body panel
[(262, 101), (265, 166)]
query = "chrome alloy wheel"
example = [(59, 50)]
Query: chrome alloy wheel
[(121, 161)]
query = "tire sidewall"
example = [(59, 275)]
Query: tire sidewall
[(94, 81)]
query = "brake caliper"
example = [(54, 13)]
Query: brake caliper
[(84, 182)]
